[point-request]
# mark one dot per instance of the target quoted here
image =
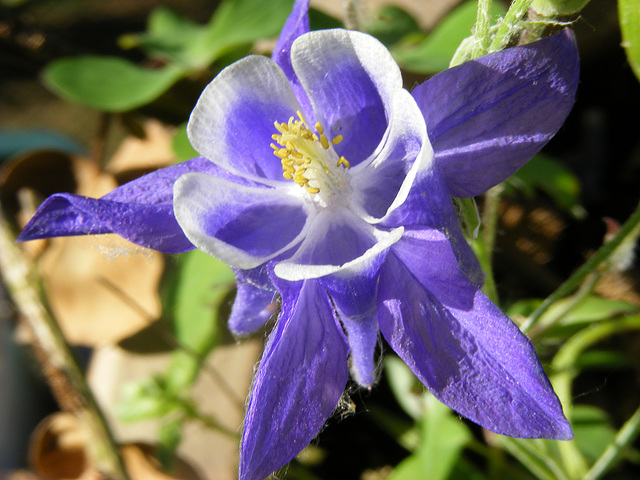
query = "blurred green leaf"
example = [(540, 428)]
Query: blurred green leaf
[(201, 287), (553, 178), (406, 388), (169, 438), (602, 359), (391, 24), (541, 457), (145, 400), (629, 15), (553, 8), (318, 20), (169, 36), (592, 429), (111, 84), (181, 146), (238, 22), (443, 438), (590, 310), (433, 52)]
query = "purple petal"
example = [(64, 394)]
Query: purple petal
[(353, 294), (489, 116), (337, 240), (297, 24), (301, 377), (233, 121), (244, 226), (383, 182), (461, 346), (350, 78), (429, 204), (255, 301), (140, 211)]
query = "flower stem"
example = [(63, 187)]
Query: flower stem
[(482, 36), (471, 225), (627, 434), (603, 254), (509, 24), (58, 363)]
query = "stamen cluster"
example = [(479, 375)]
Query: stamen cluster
[(299, 154)]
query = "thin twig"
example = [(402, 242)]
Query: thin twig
[(58, 363)]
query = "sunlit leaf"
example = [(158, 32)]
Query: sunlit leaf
[(145, 400), (433, 53), (111, 84), (553, 178), (552, 8), (201, 287), (391, 24), (443, 439), (629, 14), (181, 146), (592, 429)]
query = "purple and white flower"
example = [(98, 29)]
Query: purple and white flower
[(322, 180)]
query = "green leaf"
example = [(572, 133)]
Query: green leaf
[(111, 84), (406, 388), (592, 429), (553, 178), (169, 36), (201, 289), (433, 52), (541, 457), (443, 438), (169, 438), (391, 24), (181, 146), (629, 14), (553, 8), (590, 310), (145, 400), (238, 22)]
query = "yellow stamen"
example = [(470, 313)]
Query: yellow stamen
[(345, 162)]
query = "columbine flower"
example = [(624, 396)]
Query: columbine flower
[(325, 181)]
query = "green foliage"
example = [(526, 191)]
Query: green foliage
[(553, 178), (629, 14), (430, 53), (114, 84), (111, 84), (181, 146), (443, 437), (553, 8), (197, 301)]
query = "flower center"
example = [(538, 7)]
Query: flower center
[(309, 159)]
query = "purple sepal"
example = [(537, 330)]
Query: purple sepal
[(429, 205), (489, 116), (255, 301), (470, 355), (140, 211), (300, 380)]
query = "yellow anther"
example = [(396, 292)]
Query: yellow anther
[(300, 150), (345, 162)]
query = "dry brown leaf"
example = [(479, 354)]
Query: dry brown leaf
[(152, 152), (57, 449)]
